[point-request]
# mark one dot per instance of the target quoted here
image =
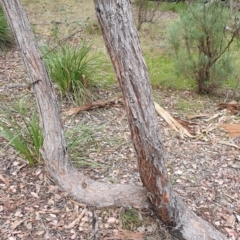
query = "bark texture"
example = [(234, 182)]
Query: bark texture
[(55, 148), (123, 46)]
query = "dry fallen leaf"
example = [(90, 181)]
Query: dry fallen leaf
[(16, 224), (4, 180), (230, 221), (34, 194)]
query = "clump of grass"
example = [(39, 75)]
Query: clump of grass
[(79, 138), (6, 37), (130, 219), (23, 132), (20, 127), (73, 70)]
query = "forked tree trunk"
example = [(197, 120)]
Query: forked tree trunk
[(54, 151), (123, 45)]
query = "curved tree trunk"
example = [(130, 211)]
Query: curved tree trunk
[(54, 149), (123, 46)]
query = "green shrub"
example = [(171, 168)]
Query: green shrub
[(73, 70), (202, 45), (6, 37)]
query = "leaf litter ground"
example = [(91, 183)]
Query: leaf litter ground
[(204, 170)]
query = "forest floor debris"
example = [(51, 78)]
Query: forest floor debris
[(203, 171)]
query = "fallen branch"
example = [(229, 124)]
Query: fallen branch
[(214, 116), (173, 123), (76, 221), (232, 107), (93, 105), (190, 117), (16, 85), (229, 144)]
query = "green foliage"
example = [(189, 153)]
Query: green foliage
[(130, 219), (22, 131), (73, 70), (201, 45), (6, 37), (173, 6)]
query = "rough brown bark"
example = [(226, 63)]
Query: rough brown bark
[(123, 46), (55, 148)]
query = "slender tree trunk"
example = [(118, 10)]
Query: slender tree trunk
[(123, 46)]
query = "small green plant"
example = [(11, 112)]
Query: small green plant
[(23, 132), (202, 45), (92, 27), (55, 31), (79, 138), (73, 70), (6, 37), (130, 219)]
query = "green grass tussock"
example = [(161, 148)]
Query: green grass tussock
[(74, 70), (6, 37)]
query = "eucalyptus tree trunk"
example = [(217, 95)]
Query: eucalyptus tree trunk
[(123, 46)]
